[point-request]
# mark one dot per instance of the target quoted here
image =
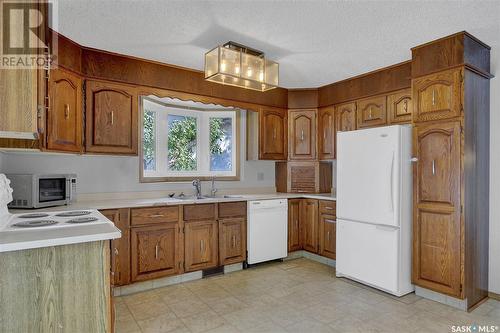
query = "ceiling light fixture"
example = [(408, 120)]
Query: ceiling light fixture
[(247, 67)]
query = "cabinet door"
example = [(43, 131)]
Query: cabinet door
[(201, 244), (120, 247), (345, 115), (437, 221), (273, 134), (372, 112), (294, 238), (438, 96), (399, 107), (155, 251), (64, 118), (309, 214), (302, 138), (111, 118), (326, 133), (327, 234), (232, 240)]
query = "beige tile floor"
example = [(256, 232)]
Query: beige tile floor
[(293, 296)]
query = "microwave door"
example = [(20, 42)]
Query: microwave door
[(52, 191)]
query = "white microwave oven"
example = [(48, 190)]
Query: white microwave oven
[(42, 190)]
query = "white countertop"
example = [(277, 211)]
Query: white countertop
[(22, 239), (165, 201)]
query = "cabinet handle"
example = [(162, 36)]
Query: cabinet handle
[(434, 97), (202, 246), (414, 159), (433, 168), (156, 251), (156, 215), (234, 241), (324, 133), (116, 251), (66, 111), (370, 113), (112, 117), (302, 135), (296, 223), (328, 208), (405, 106), (274, 133), (328, 235)]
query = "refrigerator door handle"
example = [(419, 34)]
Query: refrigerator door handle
[(391, 182)]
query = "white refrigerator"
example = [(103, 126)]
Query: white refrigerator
[(374, 207)]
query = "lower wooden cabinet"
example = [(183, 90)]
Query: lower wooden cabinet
[(309, 219), (294, 241), (155, 251), (327, 234), (120, 248), (232, 240), (200, 245)]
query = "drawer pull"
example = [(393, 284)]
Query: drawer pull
[(116, 251), (157, 215), (328, 208), (330, 221), (156, 251)]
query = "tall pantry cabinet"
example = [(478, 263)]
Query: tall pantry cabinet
[(450, 89)]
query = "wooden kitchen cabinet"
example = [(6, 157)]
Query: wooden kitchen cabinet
[(345, 117), (371, 112), (120, 247), (437, 199), (438, 96), (304, 176), (201, 245), (155, 251), (273, 138), (65, 115), (294, 232), (309, 218), (302, 134), (327, 234), (232, 240), (326, 133), (111, 118), (399, 107)]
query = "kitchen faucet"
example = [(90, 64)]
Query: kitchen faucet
[(214, 190), (197, 186)]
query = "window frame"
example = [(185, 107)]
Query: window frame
[(203, 122)]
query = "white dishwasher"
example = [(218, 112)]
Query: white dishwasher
[(267, 230)]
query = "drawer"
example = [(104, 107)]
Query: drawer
[(154, 215), (232, 209), (199, 212), (327, 207)]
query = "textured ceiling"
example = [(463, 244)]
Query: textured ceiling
[(315, 42)]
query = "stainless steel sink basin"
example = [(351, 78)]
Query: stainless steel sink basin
[(192, 198)]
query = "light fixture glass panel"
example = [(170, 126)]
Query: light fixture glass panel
[(272, 73), (239, 82), (212, 62), (229, 61), (253, 67)]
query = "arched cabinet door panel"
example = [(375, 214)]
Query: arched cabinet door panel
[(326, 133), (345, 115), (399, 107), (111, 118), (371, 112), (272, 134), (437, 213), (64, 117), (302, 139)]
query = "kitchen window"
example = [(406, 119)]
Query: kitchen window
[(182, 142)]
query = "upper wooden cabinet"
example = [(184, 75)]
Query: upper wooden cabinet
[(371, 112), (64, 118), (120, 247), (111, 118), (273, 134), (438, 96), (200, 245), (326, 133), (437, 198), (302, 134), (399, 107), (345, 117)]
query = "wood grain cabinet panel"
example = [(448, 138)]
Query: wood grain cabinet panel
[(154, 215), (309, 216), (111, 118), (65, 116), (294, 232), (399, 107), (155, 251), (327, 234), (232, 209), (273, 134), (302, 134), (326, 133), (200, 245), (120, 247), (372, 112), (437, 204), (232, 240), (345, 117), (438, 96)]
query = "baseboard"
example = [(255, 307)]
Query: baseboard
[(311, 256), (460, 304), (494, 296)]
